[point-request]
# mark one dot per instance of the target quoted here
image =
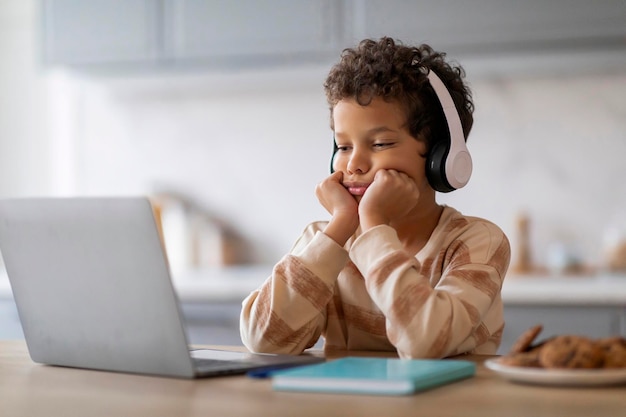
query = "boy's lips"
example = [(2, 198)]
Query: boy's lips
[(356, 188)]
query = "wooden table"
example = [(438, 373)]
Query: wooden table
[(29, 389)]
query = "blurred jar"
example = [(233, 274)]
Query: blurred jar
[(563, 259), (193, 238), (207, 241), (615, 246), (523, 259)]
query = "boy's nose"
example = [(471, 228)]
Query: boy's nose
[(357, 163)]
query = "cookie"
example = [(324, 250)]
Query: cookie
[(571, 352), (525, 359), (614, 351), (524, 342), (612, 340)]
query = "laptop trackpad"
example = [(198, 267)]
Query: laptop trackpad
[(254, 358), (221, 355)]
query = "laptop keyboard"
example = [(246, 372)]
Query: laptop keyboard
[(218, 365)]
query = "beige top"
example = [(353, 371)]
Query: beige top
[(373, 295)]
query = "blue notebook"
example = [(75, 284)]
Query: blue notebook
[(378, 376)]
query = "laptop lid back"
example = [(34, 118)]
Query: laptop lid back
[(92, 285)]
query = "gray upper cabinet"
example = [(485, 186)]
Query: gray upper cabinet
[(252, 33), (156, 33), (77, 32), (251, 30), (494, 26)]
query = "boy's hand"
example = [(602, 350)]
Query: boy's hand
[(342, 206), (391, 195)]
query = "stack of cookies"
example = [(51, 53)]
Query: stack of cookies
[(566, 352)]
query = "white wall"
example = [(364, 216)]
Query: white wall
[(551, 146), (251, 147), (250, 155), (23, 117)]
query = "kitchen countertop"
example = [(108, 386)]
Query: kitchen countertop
[(220, 284), (233, 284)]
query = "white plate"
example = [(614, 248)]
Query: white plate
[(559, 377)]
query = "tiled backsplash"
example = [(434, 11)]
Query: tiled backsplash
[(250, 149)]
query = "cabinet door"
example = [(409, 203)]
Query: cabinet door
[(100, 31), (493, 25), (212, 323), (251, 31), (594, 322)]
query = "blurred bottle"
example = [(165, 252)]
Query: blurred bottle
[(173, 224), (524, 262)]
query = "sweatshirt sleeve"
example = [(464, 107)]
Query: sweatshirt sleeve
[(287, 314), (434, 320)]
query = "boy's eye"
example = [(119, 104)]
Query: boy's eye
[(382, 144), (342, 148)]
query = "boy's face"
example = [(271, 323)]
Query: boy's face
[(375, 137)]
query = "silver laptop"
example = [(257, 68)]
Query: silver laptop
[(93, 290)]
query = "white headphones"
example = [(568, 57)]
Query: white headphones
[(449, 164)]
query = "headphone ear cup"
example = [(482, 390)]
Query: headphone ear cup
[(436, 168), (332, 159), (449, 164)]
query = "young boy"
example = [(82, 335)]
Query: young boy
[(392, 270)]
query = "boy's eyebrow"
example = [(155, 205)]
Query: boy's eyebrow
[(374, 130)]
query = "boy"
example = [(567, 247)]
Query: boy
[(391, 270)]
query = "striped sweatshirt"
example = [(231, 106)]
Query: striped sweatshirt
[(373, 295)]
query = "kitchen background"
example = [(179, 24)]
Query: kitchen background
[(242, 137)]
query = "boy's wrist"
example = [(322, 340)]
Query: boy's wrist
[(369, 222), (340, 229)]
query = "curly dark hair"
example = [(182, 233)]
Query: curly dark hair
[(392, 71)]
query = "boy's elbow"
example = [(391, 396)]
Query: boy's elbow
[(260, 345), (257, 342), (251, 337)]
